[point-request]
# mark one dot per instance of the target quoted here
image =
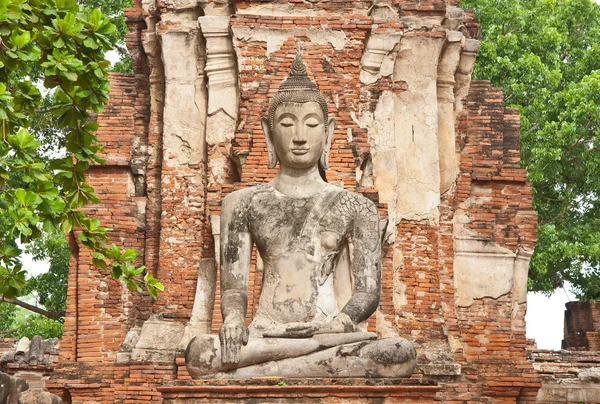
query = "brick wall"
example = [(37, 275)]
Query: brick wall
[(568, 377), (146, 202), (582, 326)]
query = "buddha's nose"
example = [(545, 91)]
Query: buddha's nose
[(299, 137)]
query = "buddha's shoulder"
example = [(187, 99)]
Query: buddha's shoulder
[(356, 202), (246, 194)]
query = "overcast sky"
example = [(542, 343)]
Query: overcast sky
[(545, 317)]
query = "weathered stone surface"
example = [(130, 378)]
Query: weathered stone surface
[(159, 340), (448, 64), (32, 353), (36, 352), (223, 95), (23, 346), (568, 377), (307, 358), (131, 340), (38, 396), (274, 39), (204, 300), (303, 228), (380, 51), (184, 113), (464, 70), (11, 388), (379, 358), (441, 369)]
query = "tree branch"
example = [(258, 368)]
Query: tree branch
[(35, 309), (555, 218)]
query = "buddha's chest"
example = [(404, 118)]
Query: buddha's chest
[(281, 226)]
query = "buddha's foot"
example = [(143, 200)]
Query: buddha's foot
[(305, 358)]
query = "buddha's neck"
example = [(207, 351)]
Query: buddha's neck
[(299, 183)]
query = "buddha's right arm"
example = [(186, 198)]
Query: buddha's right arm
[(236, 252)]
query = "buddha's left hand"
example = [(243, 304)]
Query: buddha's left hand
[(340, 324)]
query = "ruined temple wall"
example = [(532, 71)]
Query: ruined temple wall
[(582, 322), (568, 376), (100, 310), (438, 153)]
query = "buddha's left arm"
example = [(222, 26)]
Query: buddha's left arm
[(365, 261)]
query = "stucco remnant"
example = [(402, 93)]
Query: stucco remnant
[(416, 126), (223, 97), (380, 50), (482, 269), (275, 38), (184, 108)]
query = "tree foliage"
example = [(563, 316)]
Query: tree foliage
[(7, 316), (114, 10), (546, 56), (56, 43), (50, 287), (31, 325)]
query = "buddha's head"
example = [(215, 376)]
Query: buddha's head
[(298, 130)]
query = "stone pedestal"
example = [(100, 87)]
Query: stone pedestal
[(302, 391)]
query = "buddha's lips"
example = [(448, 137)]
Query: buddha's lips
[(299, 151)]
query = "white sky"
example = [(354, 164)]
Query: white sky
[(545, 317)]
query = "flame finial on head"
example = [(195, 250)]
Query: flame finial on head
[(298, 79), (298, 67)]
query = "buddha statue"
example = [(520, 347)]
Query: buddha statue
[(320, 248)]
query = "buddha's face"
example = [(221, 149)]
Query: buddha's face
[(300, 134)]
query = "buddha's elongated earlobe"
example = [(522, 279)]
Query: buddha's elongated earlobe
[(270, 148), (324, 159)]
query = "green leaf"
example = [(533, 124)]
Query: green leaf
[(129, 255), (99, 263), (58, 42), (116, 272), (21, 40), (113, 252), (72, 76), (56, 45), (90, 43), (8, 250), (24, 140), (67, 225)]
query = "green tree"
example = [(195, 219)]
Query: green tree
[(114, 10), (7, 316), (31, 325), (62, 46), (546, 56), (50, 287)]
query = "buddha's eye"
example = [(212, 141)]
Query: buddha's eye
[(286, 124), (312, 123)]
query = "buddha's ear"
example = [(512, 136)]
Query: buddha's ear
[(324, 160), (270, 148)]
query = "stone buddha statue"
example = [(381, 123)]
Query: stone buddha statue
[(321, 252)]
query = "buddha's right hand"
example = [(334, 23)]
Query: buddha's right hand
[(233, 334)]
